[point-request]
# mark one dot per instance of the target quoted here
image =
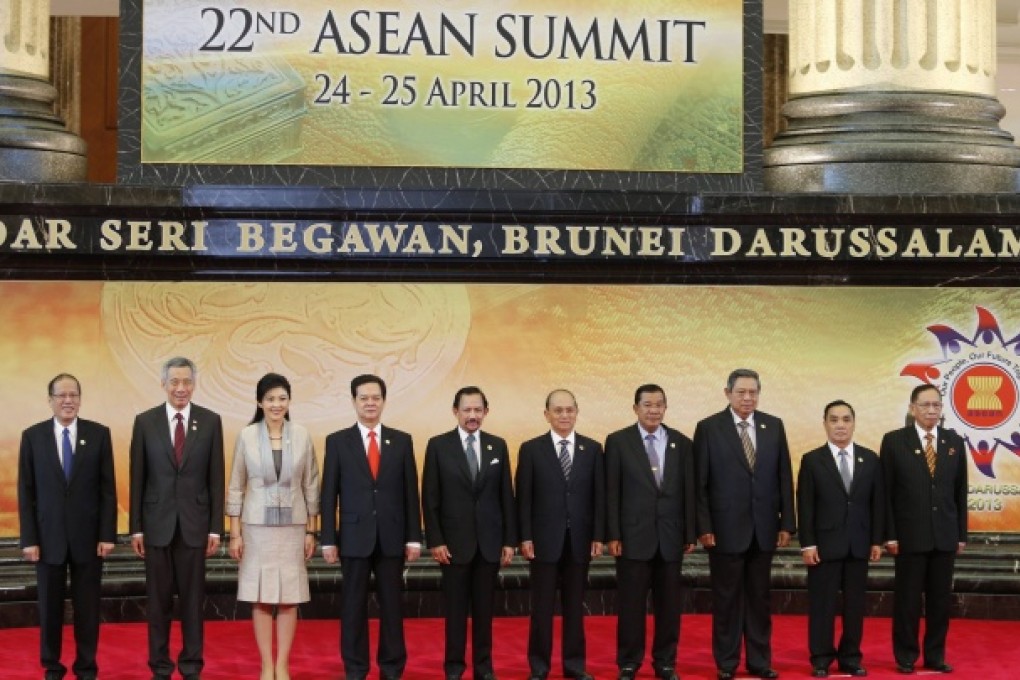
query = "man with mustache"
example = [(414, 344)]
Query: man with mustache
[(470, 526)]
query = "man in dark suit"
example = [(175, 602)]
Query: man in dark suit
[(925, 474), (745, 511), (470, 526), (177, 489), (67, 506), (841, 503), (561, 490), (650, 525), (371, 476)]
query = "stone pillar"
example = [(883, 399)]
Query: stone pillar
[(890, 96), (34, 144)]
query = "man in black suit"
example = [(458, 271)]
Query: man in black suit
[(371, 476), (841, 503), (925, 476), (650, 525), (470, 526), (67, 506), (177, 489), (561, 490), (745, 511)]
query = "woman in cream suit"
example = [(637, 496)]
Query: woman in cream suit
[(273, 503)]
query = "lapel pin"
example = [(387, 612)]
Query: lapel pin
[(763, 426), (488, 447), (672, 445), (951, 451), (917, 452), (580, 447), (860, 460), (387, 442), (82, 442)]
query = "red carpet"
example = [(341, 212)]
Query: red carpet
[(978, 649)]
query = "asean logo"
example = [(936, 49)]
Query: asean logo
[(979, 378)]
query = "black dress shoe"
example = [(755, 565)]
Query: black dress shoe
[(583, 675), (855, 671), (905, 668), (488, 676), (453, 676), (626, 674), (820, 673), (766, 673), (939, 667), (667, 673), (726, 675)]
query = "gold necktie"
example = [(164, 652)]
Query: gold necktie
[(929, 453), (745, 440)]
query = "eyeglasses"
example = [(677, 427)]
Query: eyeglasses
[(926, 405), (64, 396)]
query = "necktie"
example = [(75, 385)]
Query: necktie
[(745, 440), (565, 459), (929, 452), (179, 439), (653, 458), (844, 469), (472, 459), (66, 454), (373, 454)]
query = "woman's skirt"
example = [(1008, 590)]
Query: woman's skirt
[(272, 569)]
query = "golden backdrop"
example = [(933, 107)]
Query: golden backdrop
[(517, 342)]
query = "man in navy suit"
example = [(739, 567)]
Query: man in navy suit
[(370, 474), (841, 503), (925, 473), (561, 508), (176, 520), (745, 511), (67, 506), (650, 526), (470, 526)]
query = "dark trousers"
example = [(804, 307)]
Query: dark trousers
[(469, 587), (181, 569), (572, 577), (741, 607), (929, 574), (391, 655), (85, 584), (634, 580), (825, 581)]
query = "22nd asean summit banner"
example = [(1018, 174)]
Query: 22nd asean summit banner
[(869, 346), (549, 84)]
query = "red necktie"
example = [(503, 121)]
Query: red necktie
[(373, 454), (179, 439)]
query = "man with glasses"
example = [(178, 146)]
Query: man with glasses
[(925, 475), (176, 515), (67, 505)]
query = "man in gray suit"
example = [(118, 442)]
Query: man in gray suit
[(176, 520), (67, 504), (745, 511)]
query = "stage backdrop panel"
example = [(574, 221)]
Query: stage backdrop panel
[(869, 346), (656, 94)]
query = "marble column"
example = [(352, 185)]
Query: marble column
[(890, 96), (34, 144)]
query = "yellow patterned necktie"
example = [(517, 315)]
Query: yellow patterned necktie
[(929, 452), (745, 441)]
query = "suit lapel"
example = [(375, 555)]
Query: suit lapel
[(82, 449), (191, 430), (942, 453), (386, 454), (829, 464), (356, 445), (552, 456), (459, 455), (732, 435), (52, 453), (641, 453)]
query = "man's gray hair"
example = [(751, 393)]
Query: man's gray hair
[(178, 362)]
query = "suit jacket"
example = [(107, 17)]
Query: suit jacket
[(247, 493), (547, 502), (734, 503), (641, 514), (384, 510), (462, 515), (921, 513), (839, 523), (163, 496), (67, 518)]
